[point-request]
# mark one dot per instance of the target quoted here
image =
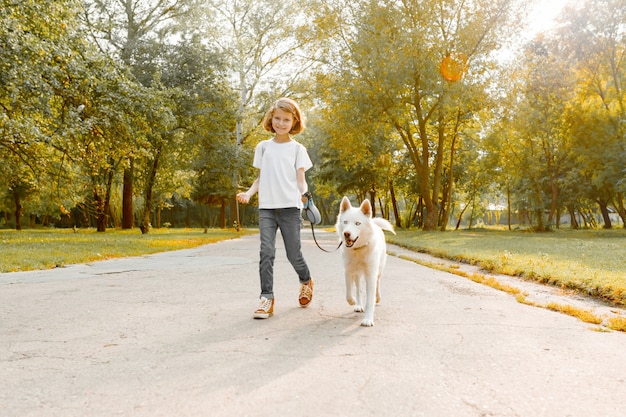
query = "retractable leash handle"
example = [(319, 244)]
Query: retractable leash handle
[(313, 216), (312, 213)]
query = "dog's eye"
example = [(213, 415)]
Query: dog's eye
[(358, 223), (345, 222)]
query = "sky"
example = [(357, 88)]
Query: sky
[(543, 15), (540, 19)]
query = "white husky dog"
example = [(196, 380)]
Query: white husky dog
[(364, 252)]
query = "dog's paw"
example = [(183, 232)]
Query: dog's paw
[(351, 300), (358, 308), (367, 322)]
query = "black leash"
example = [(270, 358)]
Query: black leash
[(313, 216), (318, 245)]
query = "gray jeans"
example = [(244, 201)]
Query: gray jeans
[(288, 220)]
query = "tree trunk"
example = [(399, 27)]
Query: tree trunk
[(621, 210), (433, 217), (107, 199), (147, 210), (447, 192), (128, 216), (447, 197), (430, 220), (541, 226), (444, 215), (554, 200), (471, 219), (18, 210), (420, 157), (394, 204), (458, 222), (234, 212), (572, 216), (101, 220), (223, 214), (508, 205), (419, 212), (372, 199), (605, 214)]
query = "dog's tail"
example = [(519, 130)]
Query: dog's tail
[(383, 224)]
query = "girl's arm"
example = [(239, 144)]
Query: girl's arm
[(244, 198), (302, 185)]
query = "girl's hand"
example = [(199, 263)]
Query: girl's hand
[(243, 198)]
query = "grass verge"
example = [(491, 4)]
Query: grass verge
[(617, 323), (586, 315), (50, 248), (592, 262)]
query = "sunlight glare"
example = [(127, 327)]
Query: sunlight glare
[(542, 18), (543, 15)]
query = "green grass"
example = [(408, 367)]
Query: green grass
[(49, 248), (592, 262)]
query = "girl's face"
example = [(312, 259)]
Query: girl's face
[(282, 122)]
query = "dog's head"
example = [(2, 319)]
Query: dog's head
[(354, 223)]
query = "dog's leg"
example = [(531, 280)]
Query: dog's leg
[(383, 261), (370, 299), (349, 296), (358, 306), (349, 288)]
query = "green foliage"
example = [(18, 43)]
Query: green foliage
[(389, 74), (174, 91)]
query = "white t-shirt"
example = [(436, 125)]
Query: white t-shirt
[(278, 164)]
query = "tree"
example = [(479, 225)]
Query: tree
[(593, 37), (200, 137), (45, 61), (357, 161), (107, 118), (258, 41), (121, 28), (393, 54), (538, 139)]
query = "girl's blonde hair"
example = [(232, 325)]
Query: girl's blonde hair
[(289, 106)]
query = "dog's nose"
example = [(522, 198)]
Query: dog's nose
[(346, 234)]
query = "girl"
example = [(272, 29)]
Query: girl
[(281, 185)]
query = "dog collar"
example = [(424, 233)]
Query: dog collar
[(361, 247)]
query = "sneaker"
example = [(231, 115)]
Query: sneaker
[(306, 294), (265, 310)]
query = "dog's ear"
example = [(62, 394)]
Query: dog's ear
[(366, 208), (345, 204)]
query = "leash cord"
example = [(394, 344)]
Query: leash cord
[(318, 245)]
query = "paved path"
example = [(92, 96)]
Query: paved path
[(172, 334)]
